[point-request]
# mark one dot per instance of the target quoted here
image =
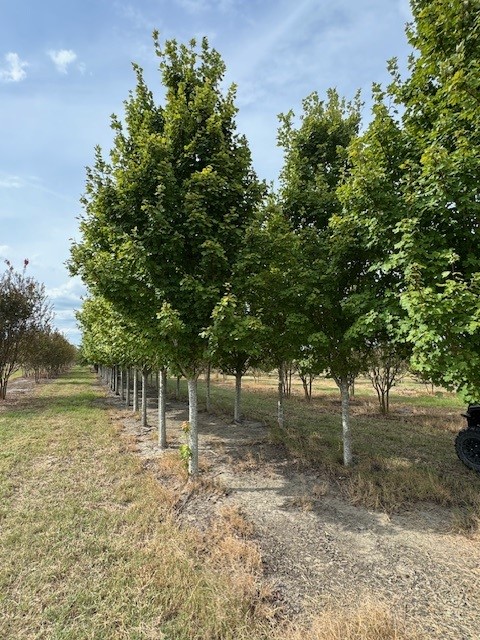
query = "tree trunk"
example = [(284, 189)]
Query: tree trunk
[(135, 389), (347, 441), (127, 389), (280, 411), (144, 397), (177, 389), (237, 411), (208, 398), (352, 389), (162, 421), (193, 429), (122, 382)]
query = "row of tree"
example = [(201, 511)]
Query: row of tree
[(365, 257), (27, 338)]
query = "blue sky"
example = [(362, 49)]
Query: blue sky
[(65, 66)]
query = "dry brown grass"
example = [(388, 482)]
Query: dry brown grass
[(89, 545), (366, 621)]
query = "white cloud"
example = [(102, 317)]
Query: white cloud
[(15, 71), (4, 250), (196, 6), (62, 58), (68, 292), (10, 182)]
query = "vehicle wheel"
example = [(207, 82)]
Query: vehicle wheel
[(467, 446)]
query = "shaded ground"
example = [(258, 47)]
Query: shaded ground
[(318, 549)]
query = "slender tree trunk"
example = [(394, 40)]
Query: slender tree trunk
[(135, 389), (347, 438), (122, 382), (237, 411), (193, 428), (144, 397), (280, 410), (177, 389), (208, 397), (162, 416), (352, 389), (127, 387)]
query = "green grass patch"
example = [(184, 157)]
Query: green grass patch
[(88, 546)]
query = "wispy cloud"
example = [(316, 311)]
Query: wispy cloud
[(198, 6), (10, 182), (135, 17), (66, 294), (15, 69), (62, 59)]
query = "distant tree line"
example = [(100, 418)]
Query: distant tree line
[(365, 259), (27, 338)]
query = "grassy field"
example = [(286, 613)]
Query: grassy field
[(399, 461), (88, 545)]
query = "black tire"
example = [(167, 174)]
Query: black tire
[(467, 446)]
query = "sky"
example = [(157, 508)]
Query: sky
[(65, 67)]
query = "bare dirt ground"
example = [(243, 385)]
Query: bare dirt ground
[(318, 549)]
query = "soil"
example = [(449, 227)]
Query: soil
[(317, 549)]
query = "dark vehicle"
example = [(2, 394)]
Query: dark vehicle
[(467, 442)]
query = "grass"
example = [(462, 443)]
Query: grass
[(358, 622), (88, 544), (90, 549), (401, 460)]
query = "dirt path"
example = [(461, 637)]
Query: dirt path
[(319, 549)]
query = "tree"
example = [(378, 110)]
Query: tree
[(23, 309), (416, 191), (164, 221), (373, 201), (269, 279), (316, 163), (45, 352), (235, 341), (438, 248)]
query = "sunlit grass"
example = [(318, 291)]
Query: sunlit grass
[(88, 545), (399, 461)]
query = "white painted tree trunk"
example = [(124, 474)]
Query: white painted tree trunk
[(208, 397), (346, 434), (127, 385), (122, 383), (135, 389), (144, 397), (280, 409), (162, 416), (193, 428), (237, 409)]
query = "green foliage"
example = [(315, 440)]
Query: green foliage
[(185, 454), (413, 195), (24, 310), (332, 265), (46, 352), (165, 218)]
